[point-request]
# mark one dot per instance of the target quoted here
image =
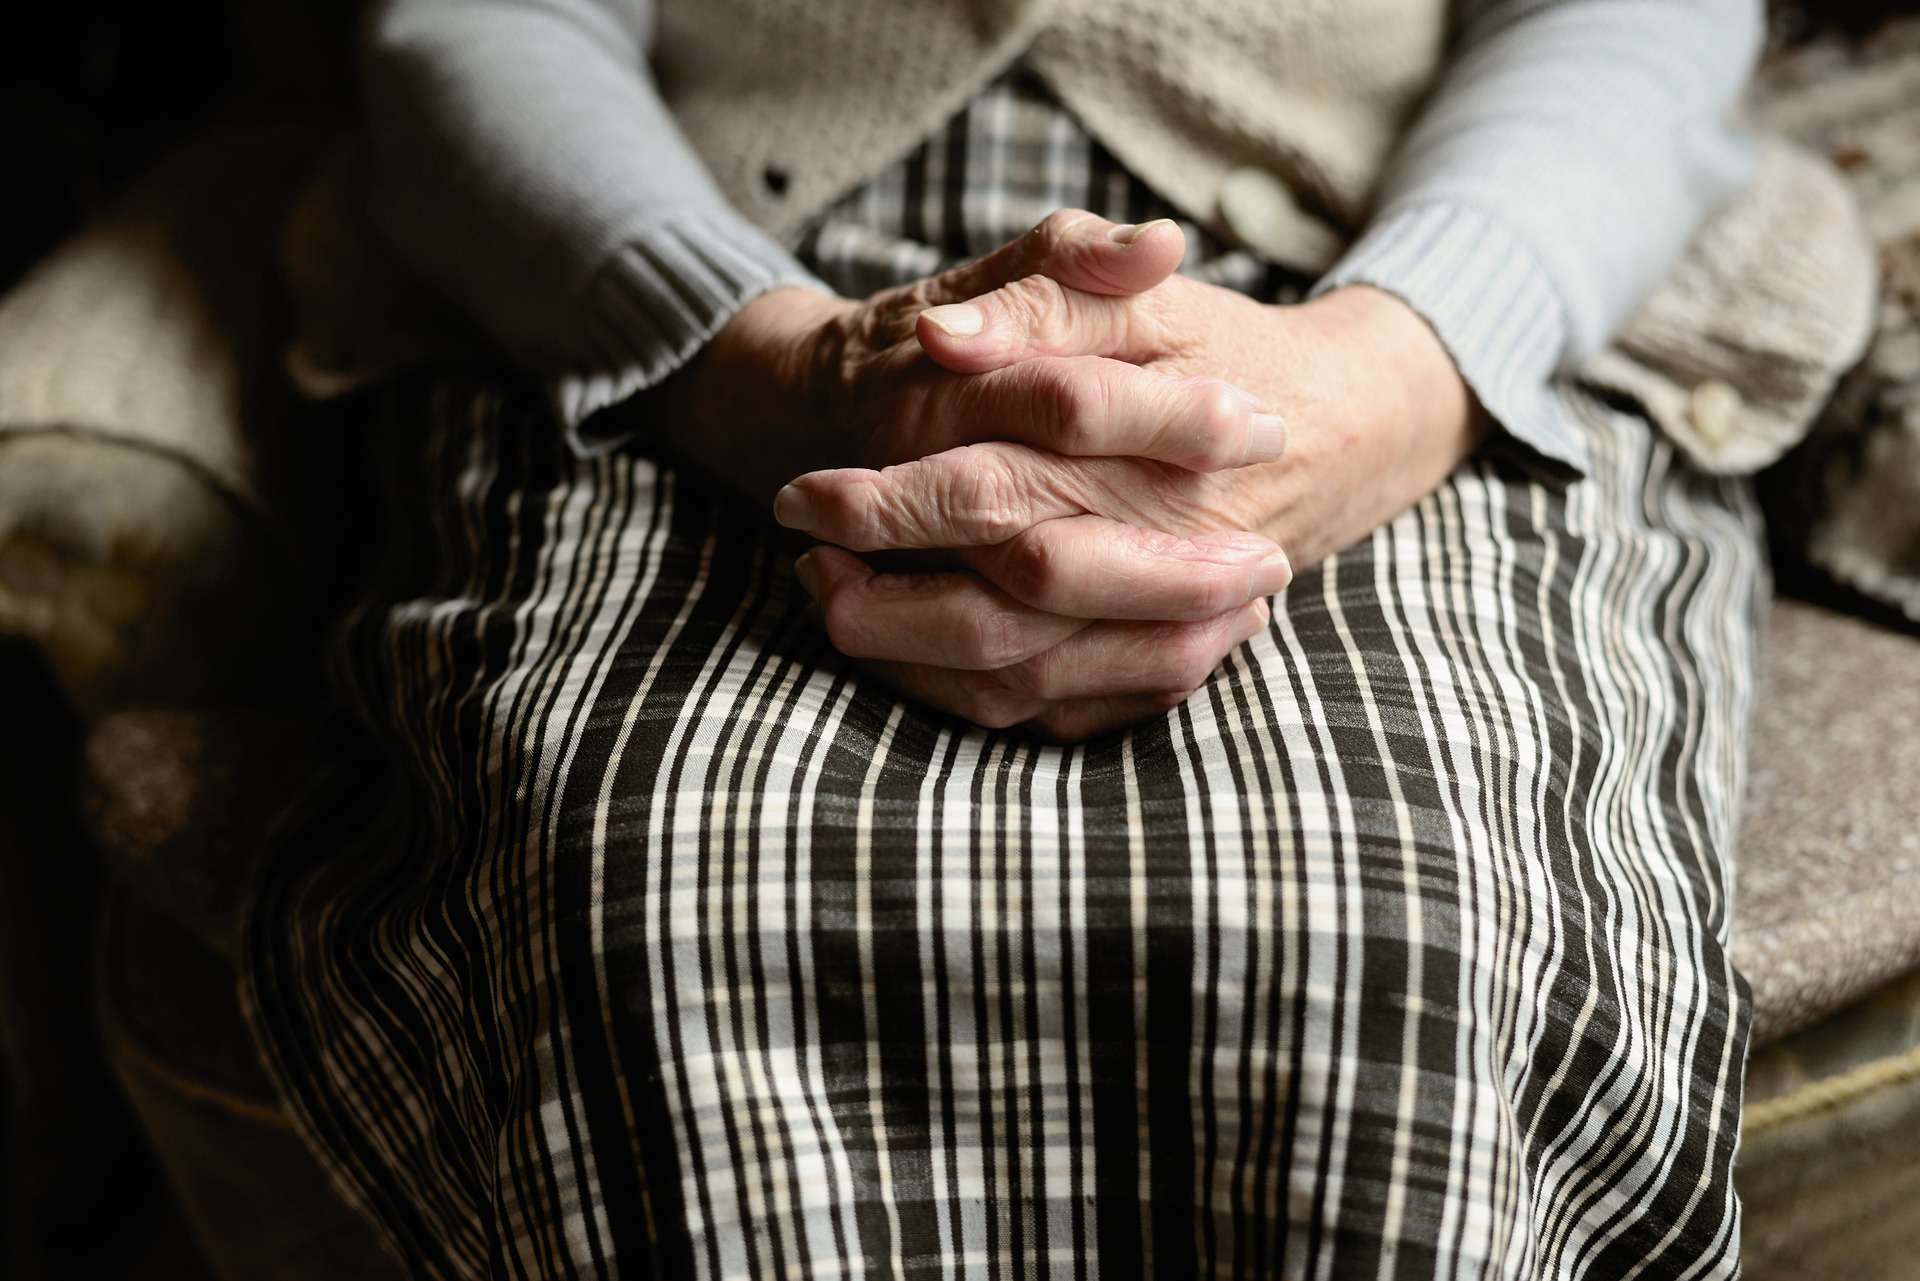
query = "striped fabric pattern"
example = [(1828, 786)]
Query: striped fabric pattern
[(648, 938)]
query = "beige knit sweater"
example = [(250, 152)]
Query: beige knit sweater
[(520, 161), (1314, 93)]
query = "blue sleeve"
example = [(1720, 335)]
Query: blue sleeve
[(1570, 152)]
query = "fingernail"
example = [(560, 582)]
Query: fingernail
[(1266, 438), (957, 320), (1130, 232), (792, 508), (808, 572), (1271, 575), (1262, 611)]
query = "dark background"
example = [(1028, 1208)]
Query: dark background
[(92, 90)]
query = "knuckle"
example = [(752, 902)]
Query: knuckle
[(1032, 566), (1074, 399), (994, 639), (1038, 304), (1055, 231), (888, 318), (984, 495), (853, 513), (1222, 420)]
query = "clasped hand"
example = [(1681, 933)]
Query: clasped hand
[(1117, 466)]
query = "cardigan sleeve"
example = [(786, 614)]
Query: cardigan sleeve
[(523, 161), (1558, 171)]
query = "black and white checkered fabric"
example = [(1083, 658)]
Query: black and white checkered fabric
[(653, 940)]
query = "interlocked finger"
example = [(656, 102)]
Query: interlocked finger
[(1093, 567), (1079, 249), (947, 620), (1104, 676)]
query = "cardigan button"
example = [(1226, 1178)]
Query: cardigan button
[(1714, 409), (1260, 211)]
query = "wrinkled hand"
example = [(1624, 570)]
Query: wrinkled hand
[(961, 643), (801, 380), (1061, 543)]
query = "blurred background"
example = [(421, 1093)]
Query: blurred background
[(93, 92), (91, 95)]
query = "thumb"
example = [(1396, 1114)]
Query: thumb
[(1081, 250), (1037, 316)]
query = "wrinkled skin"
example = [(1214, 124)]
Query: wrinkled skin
[(1117, 465)]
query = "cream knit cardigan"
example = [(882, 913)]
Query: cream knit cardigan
[(1272, 122), (1315, 93)]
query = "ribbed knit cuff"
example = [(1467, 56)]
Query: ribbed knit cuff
[(666, 290), (1484, 293)]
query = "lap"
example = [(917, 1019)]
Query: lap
[(677, 942)]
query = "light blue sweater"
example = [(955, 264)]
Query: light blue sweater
[(523, 151)]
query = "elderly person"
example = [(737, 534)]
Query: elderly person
[(1228, 768)]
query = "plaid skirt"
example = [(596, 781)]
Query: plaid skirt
[(650, 938)]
